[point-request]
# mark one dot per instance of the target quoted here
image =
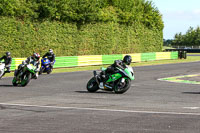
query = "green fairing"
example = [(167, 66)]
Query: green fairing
[(14, 80), (32, 70), (23, 82), (114, 77), (132, 77), (103, 68), (117, 75)]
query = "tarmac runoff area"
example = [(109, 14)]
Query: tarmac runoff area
[(59, 103)]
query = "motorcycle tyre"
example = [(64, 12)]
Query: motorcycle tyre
[(25, 82), (95, 86), (14, 81), (49, 71), (41, 71), (127, 86), (2, 74)]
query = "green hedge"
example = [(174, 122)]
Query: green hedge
[(22, 38), (79, 27)]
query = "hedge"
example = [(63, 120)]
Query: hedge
[(22, 38)]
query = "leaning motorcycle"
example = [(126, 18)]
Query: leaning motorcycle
[(2, 69), (45, 66), (24, 75), (119, 82)]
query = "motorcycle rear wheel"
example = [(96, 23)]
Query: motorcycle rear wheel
[(92, 85)]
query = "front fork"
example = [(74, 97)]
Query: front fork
[(122, 80), (96, 77)]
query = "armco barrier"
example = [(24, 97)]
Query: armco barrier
[(74, 61)]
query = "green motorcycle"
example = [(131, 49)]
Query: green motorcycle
[(24, 75), (119, 82)]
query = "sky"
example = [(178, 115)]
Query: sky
[(178, 15)]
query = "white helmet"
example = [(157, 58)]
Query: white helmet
[(50, 51), (23, 62)]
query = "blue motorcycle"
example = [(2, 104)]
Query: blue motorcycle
[(45, 66)]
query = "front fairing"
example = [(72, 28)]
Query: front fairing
[(31, 68), (130, 73), (2, 66), (103, 69), (45, 62), (114, 77), (127, 72)]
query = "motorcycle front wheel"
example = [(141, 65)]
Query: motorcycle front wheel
[(14, 81), (92, 85), (41, 70), (1, 73), (26, 80), (120, 87), (49, 71)]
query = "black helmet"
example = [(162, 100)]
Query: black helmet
[(127, 59), (7, 53)]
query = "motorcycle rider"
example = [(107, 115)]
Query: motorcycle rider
[(34, 60), (104, 75), (8, 60), (51, 56)]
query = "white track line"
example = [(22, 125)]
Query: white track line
[(97, 109)]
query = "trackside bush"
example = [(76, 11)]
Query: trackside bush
[(79, 27)]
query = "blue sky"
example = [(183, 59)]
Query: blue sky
[(178, 15)]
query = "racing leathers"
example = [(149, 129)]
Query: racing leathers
[(8, 61), (112, 69), (36, 63)]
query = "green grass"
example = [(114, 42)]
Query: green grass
[(193, 54), (167, 47), (86, 68)]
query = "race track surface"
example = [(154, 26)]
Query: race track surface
[(59, 103)]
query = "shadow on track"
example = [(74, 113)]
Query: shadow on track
[(98, 92), (7, 86), (191, 92)]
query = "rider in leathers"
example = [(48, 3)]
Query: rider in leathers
[(51, 56), (113, 68), (34, 60), (8, 60)]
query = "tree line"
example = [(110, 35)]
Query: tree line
[(190, 38), (84, 11)]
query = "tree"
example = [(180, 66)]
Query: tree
[(191, 38)]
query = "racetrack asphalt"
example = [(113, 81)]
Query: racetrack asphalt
[(59, 103)]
